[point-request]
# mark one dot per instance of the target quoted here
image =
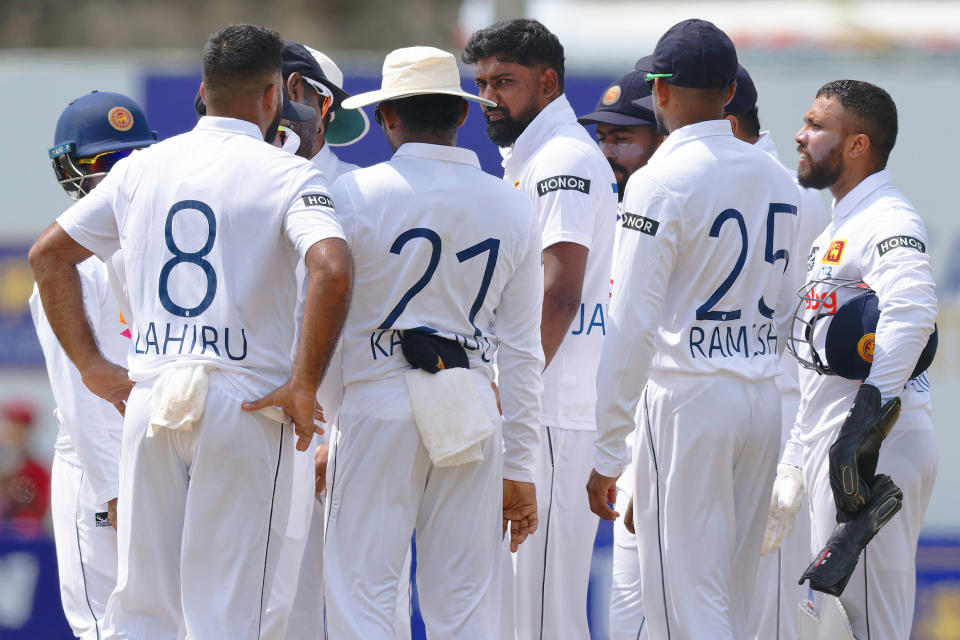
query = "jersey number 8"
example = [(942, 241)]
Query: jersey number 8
[(189, 257)]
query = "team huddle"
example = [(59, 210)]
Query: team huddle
[(273, 368)]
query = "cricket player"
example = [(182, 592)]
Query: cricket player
[(210, 250), (778, 594), (700, 297), (875, 236), (555, 163), (93, 133), (627, 135), (448, 282)]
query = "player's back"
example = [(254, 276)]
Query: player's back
[(435, 242), (204, 221), (730, 210)]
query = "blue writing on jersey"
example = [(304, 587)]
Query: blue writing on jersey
[(596, 321), (733, 340), (192, 339)]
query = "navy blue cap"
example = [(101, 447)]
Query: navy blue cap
[(626, 102), (297, 58), (693, 53), (850, 339), (745, 97)]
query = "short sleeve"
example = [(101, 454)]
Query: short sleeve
[(309, 217), (92, 221), (565, 195)]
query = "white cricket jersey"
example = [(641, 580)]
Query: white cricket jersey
[(559, 167), (876, 236), (211, 224), (702, 273), (439, 245), (331, 166), (89, 427), (812, 220)]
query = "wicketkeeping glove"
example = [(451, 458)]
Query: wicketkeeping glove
[(853, 457), (834, 565), (785, 502)]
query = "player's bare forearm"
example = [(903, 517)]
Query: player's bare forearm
[(330, 269), (54, 258), (564, 266), (601, 492)]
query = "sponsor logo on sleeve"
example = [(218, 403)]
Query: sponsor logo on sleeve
[(563, 183), (908, 242), (317, 200), (812, 258), (834, 252), (101, 519), (641, 224)]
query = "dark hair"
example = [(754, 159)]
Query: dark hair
[(868, 109), (238, 55), (430, 113), (749, 121), (525, 42)]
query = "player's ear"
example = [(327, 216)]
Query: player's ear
[(732, 89), (733, 122), (464, 110), (859, 146), (662, 90), (549, 83), (294, 85)]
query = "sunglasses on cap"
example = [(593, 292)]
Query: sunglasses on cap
[(103, 162), (326, 96)]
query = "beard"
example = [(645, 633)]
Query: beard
[(621, 175), (661, 126), (271, 134), (307, 132), (822, 174), (505, 132)]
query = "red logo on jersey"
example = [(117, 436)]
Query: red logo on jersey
[(826, 300), (516, 184), (834, 252), (120, 118)]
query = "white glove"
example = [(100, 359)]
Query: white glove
[(784, 504)]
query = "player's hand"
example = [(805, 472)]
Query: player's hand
[(299, 404), (109, 381), (628, 517), (112, 512), (519, 510), (602, 492), (785, 502), (320, 467)]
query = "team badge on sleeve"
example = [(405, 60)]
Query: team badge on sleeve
[(641, 224), (834, 252), (565, 183), (317, 200), (908, 242)]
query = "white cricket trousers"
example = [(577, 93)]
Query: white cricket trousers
[(551, 570), (627, 621), (382, 487), (86, 549), (705, 449), (202, 513), (879, 598), (778, 593)]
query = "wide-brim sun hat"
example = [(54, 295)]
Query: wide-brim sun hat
[(416, 71)]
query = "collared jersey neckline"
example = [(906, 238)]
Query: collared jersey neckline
[(326, 161), (695, 131), (558, 112), (848, 204), (438, 152), (230, 125)]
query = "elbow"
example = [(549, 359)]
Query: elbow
[(39, 258), (561, 304)]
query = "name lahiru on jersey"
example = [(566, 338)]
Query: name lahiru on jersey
[(192, 338)]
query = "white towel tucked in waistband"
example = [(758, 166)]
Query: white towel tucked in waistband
[(178, 397), (449, 414)]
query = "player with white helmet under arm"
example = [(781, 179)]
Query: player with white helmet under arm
[(93, 133), (696, 314), (875, 239), (210, 250)]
